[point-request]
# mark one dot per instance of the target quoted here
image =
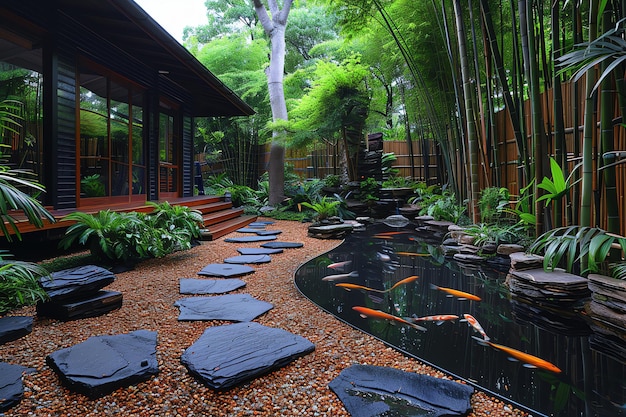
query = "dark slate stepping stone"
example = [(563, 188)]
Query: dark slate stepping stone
[(246, 239), (268, 232), (102, 364), (226, 356), (282, 245), (260, 224), (248, 230), (230, 307), (77, 282), (209, 286), (368, 391), (11, 387), (248, 259), (225, 270), (90, 306), (14, 327), (259, 251)]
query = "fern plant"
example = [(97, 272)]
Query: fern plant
[(325, 207)]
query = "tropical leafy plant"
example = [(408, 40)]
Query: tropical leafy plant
[(176, 218), (494, 233), (332, 181), (19, 283), (580, 249), (368, 190), (324, 208), (557, 186)]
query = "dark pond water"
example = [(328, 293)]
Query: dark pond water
[(592, 381)]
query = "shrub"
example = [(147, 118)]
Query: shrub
[(19, 283), (492, 203)]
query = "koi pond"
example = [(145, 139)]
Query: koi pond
[(591, 382)]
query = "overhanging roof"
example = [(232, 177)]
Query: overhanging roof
[(127, 26)]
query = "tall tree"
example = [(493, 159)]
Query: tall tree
[(274, 27)]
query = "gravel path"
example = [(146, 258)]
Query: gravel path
[(149, 291)]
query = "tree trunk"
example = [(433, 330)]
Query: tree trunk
[(275, 28), (470, 124)]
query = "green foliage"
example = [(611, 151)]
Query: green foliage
[(523, 207), (92, 186), (442, 206), (578, 247), (325, 208), (498, 234), (129, 237), (386, 163), (399, 182), (492, 202), (368, 190), (19, 283), (332, 181), (558, 186)]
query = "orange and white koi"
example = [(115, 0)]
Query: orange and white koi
[(471, 321), (461, 295), (439, 319), (381, 236), (339, 277), (340, 265), (366, 312), (529, 360)]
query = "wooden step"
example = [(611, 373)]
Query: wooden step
[(212, 207), (221, 216), (225, 227)]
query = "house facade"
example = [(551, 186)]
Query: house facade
[(105, 99)]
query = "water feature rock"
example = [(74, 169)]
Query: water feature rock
[(330, 231), (555, 287), (11, 387), (93, 305), (209, 286), (14, 327), (368, 391), (75, 283), (521, 261), (226, 356), (396, 220), (230, 307), (102, 364), (507, 249)]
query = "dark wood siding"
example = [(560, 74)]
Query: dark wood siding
[(187, 156)]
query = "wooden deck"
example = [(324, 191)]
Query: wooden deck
[(220, 217)]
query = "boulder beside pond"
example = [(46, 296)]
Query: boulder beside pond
[(368, 391)]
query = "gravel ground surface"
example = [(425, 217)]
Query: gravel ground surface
[(149, 291)]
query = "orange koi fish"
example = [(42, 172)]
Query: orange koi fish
[(439, 318), (340, 265), (471, 321), (349, 286), (381, 315), (456, 293), (406, 280), (412, 254), (392, 233), (379, 236), (529, 360)]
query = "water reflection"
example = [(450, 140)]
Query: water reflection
[(592, 381)]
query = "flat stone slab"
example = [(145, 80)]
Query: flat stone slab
[(11, 387), (261, 224), (102, 364), (249, 230), (268, 232), (93, 305), (282, 245), (209, 286), (259, 251), (229, 307), (76, 282), (226, 356), (368, 391), (14, 327), (247, 239), (248, 259), (225, 270)]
